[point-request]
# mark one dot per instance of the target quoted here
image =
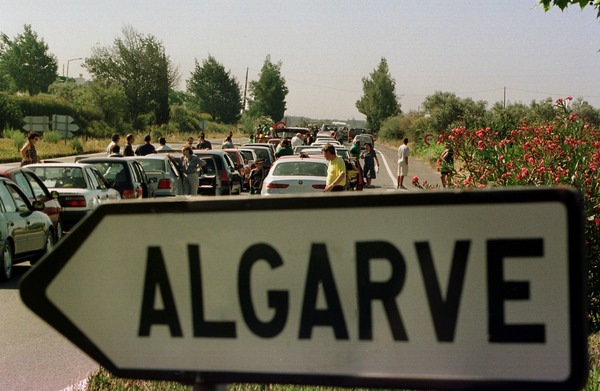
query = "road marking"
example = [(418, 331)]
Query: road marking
[(387, 166)]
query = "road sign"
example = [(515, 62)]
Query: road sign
[(280, 125), (36, 123), (428, 139), (442, 289), (63, 123)]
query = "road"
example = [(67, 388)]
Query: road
[(35, 357)]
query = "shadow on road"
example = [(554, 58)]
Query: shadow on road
[(18, 272)]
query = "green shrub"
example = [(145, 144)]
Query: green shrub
[(11, 133), (52, 137), (10, 113), (76, 145), (19, 140)]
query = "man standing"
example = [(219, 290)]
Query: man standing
[(257, 176), (403, 154), (297, 140), (202, 143), (146, 148), (115, 141), (336, 172), (129, 147), (163, 145)]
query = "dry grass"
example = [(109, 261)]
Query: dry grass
[(45, 150)]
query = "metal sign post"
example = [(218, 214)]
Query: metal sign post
[(480, 289)]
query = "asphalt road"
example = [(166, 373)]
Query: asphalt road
[(33, 356)]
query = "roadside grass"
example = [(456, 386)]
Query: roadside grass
[(102, 380)]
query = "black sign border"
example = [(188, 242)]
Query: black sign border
[(33, 285)]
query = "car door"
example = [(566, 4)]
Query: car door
[(41, 193), (177, 177), (16, 226), (35, 228)]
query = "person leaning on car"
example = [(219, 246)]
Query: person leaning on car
[(336, 172), (189, 164)]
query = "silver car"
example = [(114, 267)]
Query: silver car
[(163, 174)]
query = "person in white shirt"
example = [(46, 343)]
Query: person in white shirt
[(115, 141), (297, 140), (403, 154)]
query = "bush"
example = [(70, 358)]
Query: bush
[(11, 133), (52, 137), (10, 113), (76, 145), (19, 140)]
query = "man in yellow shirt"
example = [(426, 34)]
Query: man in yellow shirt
[(336, 172)]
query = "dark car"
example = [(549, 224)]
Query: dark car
[(231, 181), (25, 232), (126, 175), (209, 183), (35, 190), (241, 164)]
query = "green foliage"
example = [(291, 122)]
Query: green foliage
[(19, 139), (52, 137), (250, 124), (184, 119), (215, 91), (177, 98), (447, 111), (379, 100), (562, 4), (401, 126), (76, 145), (268, 93), (10, 113), (139, 65), (27, 62)]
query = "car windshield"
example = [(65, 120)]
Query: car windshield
[(61, 177), (300, 168), (263, 153), (152, 164), (209, 168), (232, 155), (112, 172)]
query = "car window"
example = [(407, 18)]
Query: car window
[(153, 165), (229, 162), (38, 189), (60, 177), (18, 199), (232, 155), (300, 168), (209, 168), (102, 185), (23, 184), (92, 179), (173, 167), (247, 155), (112, 172), (7, 200), (138, 172)]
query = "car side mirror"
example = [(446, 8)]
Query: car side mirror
[(38, 205), (54, 194)]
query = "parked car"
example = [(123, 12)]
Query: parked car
[(231, 180), (292, 175), (81, 188), (262, 152), (209, 181), (289, 132), (25, 232), (163, 174), (242, 166), (126, 175), (364, 138), (35, 190)]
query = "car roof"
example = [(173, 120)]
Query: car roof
[(301, 158), (81, 165), (153, 156)]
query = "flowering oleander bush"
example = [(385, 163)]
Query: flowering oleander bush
[(564, 152)]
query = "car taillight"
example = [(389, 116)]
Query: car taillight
[(73, 202), (224, 177), (165, 184), (322, 187), (128, 193), (277, 185)]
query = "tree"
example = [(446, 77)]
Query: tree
[(137, 63), (379, 100), (268, 93), (562, 4), (215, 91), (446, 110), (27, 62)]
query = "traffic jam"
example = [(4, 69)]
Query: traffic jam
[(44, 201)]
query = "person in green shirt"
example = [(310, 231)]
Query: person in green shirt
[(284, 149), (355, 149), (336, 172)]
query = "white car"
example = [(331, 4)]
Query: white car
[(340, 150), (293, 175), (81, 188)]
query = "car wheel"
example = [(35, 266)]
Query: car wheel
[(6, 262), (48, 243)]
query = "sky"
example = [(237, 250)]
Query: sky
[(473, 48)]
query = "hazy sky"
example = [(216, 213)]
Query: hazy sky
[(472, 48)]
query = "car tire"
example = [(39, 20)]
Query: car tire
[(48, 244), (6, 258)]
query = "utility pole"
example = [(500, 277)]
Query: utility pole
[(245, 88)]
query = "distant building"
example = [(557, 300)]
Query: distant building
[(80, 80)]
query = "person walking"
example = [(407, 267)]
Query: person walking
[(146, 148), (28, 152), (336, 171), (447, 165), (190, 164), (128, 151), (370, 158), (114, 141), (403, 154), (257, 176)]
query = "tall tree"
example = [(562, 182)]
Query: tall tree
[(268, 93), (138, 63), (215, 91), (27, 62), (379, 100), (562, 4)]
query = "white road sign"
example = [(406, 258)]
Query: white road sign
[(442, 289), (36, 123)]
